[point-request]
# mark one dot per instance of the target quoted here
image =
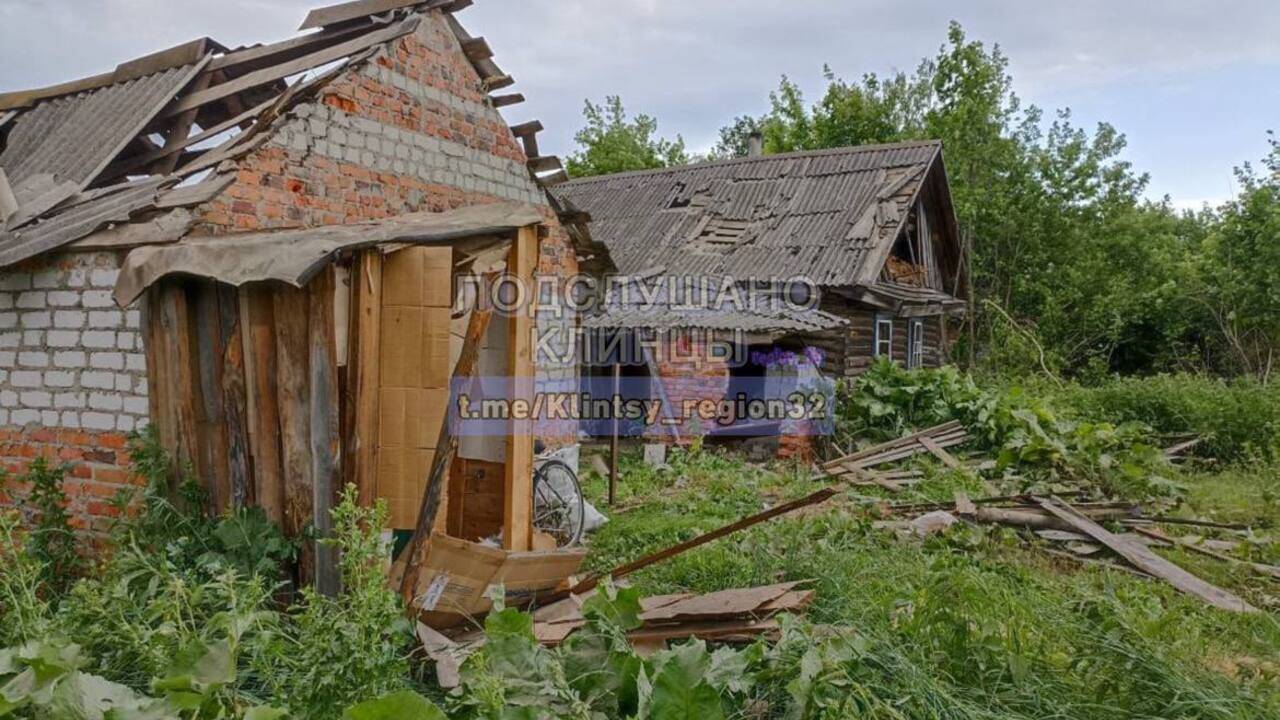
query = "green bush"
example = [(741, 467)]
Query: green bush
[(1239, 419), (1040, 446)]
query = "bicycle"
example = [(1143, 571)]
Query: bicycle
[(559, 509)]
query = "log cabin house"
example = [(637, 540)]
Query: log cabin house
[(870, 228), (258, 250)]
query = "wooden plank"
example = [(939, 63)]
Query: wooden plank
[(344, 12), (235, 401), (545, 163), (126, 165), (363, 368), (635, 566), (184, 389), (254, 58), (324, 422), (517, 524), (1147, 560), (477, 49), (269, 75), (179, 131), (533, 127), (555, 178), (292, 374), (904, 441), (264, 440), (214, 468), (933, 447)]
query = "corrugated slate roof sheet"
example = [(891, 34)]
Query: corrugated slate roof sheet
[(670, 302), (748, 320), (73, 138), (69, 154), (80, 219), (813, 214), (912, 294)]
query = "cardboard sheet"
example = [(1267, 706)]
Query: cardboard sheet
[(415, 372), (459, 577)]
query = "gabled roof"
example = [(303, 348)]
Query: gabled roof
[(826, 215), (113, 148)]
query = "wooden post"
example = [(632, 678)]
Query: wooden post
[(323, 402), (613, 443), (292, 376), (973, 306), (258, 316), (517, 514), (364, 362)]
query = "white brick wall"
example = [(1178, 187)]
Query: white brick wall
[(69, 357)]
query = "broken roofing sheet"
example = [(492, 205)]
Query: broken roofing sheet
[(112, 149), (823, 215)]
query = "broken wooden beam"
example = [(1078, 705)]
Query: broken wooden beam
[(501, 101), (635, 566), (544, 163), (1147, 560)]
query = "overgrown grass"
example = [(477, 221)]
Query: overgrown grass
[(972, 624)]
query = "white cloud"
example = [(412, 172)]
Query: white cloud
[(695, 64)]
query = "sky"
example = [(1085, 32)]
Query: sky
[(1194, 84)]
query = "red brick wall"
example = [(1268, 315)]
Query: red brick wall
[(98, 470), (688, 373)]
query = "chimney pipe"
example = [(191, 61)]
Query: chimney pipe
[(755, 144)]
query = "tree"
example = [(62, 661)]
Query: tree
[(610, 143), (1240, 271), (1063, 240)]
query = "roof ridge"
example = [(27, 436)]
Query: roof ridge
[(799, 154)]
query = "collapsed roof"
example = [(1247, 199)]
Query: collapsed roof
[(831, 216), (160, 133)]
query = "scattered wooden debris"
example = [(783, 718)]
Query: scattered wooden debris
[(1144, 559), (858, 466), (728, 616), (1178, 452), (1198, 547), (1076, 531)]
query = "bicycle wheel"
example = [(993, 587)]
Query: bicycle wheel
[(558, 505)]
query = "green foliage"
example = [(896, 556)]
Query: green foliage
[(338, 651), (1237, 420), (1046, 449), (611, 143), (51, 542), (396, 706), (23, 612), (168, 518), (1239, 271), (1063, 240)]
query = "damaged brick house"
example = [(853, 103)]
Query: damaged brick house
[(872, 228), (203, 172)]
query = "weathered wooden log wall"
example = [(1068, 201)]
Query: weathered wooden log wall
[(246, 396)]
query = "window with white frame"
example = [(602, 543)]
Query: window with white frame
[(915, 345), (884, 337)]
